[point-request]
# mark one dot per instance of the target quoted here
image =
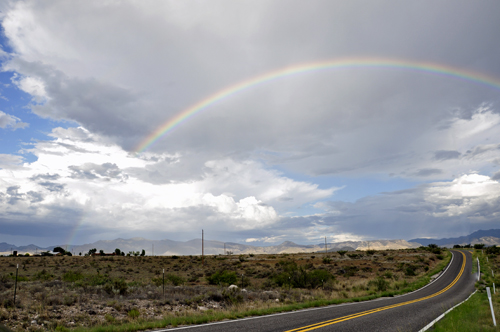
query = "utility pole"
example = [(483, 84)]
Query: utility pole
[(326, 248), (153, 249), (224, 248), (202, 250)]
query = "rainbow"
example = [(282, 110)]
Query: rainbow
[(426, 67)]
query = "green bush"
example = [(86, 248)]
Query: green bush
[(493, 250), (223, 277), (327, 260), (295, 276), (380, 284), (134, 313), (120, 286), (175, 280), (42, 275), (410, 270), (72, 276), (318, 277)]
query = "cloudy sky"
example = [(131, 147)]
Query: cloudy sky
[(359, 151)]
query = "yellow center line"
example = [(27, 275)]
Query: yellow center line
[(368, 312)]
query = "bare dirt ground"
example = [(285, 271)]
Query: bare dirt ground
[(58, 293)]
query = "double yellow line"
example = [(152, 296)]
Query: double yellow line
[(368, 312)]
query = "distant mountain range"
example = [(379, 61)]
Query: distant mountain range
[(193, 247), (489, 237)]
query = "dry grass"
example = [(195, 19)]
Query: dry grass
[(57, 293)]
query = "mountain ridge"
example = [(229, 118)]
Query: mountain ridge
[(488, 237), (213, 247)]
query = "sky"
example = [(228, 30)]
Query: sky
[(257, 121)]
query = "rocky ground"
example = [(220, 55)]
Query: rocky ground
[(63, 292)]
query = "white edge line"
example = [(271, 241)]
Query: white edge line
[(431, 324), (304, 310)]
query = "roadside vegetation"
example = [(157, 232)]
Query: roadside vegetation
[(475, 314), (117, 293)]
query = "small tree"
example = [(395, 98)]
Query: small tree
[(143, 253), (59, 249), (92, 251), (101, 252), (118, 252)]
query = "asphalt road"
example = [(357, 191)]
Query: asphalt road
[(410, 312)]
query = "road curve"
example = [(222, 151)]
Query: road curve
[(410, 312)]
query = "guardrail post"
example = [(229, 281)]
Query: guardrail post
[(478, 270), (491, 306)]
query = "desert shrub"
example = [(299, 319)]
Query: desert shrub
[(318, 277), (223, 277), (298, 276), (69, 300), (193, 278), (42, 275), (380, 284), (241, 258), (232, 296), (8, 303), (134, 313), (157, 281), (410, 270), (109, 318), (355, 256), (120, 285), (493, 250), (327, 260), (342, 252), (55, 300), (371, 252), (174, 279), (349, 271), (72, 276)]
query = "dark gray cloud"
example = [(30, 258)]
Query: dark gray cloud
[(428, 172), (446, 155), (91, 171), (496, 176), (52, 186), (481, 149), (35, 197), (47, 176)]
